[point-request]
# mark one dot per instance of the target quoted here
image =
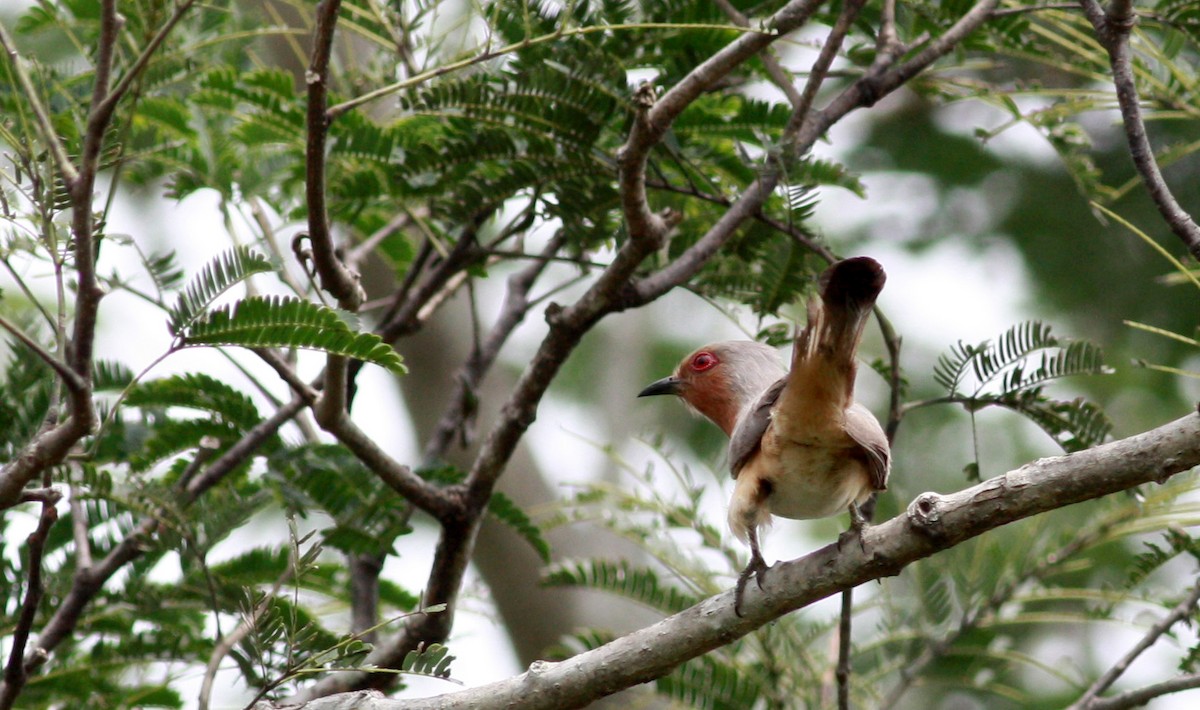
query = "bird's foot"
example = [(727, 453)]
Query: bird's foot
[(755, 568), (858, 524)]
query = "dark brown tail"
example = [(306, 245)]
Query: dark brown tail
[(828, 344), (852, 284)]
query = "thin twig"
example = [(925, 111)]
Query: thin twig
[(45, 125), (477, 364), (1004, 11), (339, 281), (79, 530), (779, 75), (356, 255), (1113, 29), (489, 54), (820, 68), (229, 641), (288, 374), (441, 503), (895, 376), (403, 316), (89, 580), (937, 648), (269, 236), (1139, 697), (15, 673), (69, 378), (1181, 612)]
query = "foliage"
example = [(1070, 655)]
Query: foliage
[(288, 323), (1012, 372)]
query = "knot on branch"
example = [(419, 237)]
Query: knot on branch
[(870, 88), (925, 513), (304, 254), (670, 219), (1122, 23), (554, 314), (644, 98)]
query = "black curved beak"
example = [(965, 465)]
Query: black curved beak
[(667, 385)]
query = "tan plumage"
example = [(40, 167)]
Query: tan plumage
[(800, 446)]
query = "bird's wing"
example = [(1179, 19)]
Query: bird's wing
[(752, 424), (863, 427)]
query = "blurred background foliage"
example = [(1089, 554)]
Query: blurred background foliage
[(501, 130)]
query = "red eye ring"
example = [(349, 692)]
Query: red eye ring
[(703, 360)]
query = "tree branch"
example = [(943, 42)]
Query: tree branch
[(1139, 697), (90, 579), (109, 104), (45, 126), (468, 377), (14, 671), (404, 315), (1113, 29), (779, 75), (932, 523), (335, 277), (653, 117), (1182, 611), (69, 375)]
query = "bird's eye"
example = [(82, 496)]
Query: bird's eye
[(703, 361)]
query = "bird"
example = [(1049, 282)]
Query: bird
[(800, 446)]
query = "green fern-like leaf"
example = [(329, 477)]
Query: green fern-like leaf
[(1075, 424), (952, 367), (174, 436), (506, 511), (1016, 343), (110, 375), (1011, 372), (577, 642), (620, 578), (433, 660), (327, 477), (197, 391), (1008, 360), (1154, 557), (707, 682), (278, 322), (218, 276)]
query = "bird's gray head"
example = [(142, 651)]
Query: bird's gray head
[(721, 379)]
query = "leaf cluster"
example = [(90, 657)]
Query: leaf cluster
[(1012, 372)]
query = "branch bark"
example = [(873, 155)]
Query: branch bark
[(15, 674), (1113, 30), (932, 523), (335, 277)]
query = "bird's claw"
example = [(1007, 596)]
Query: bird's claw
[(858, 525), (755, 568)]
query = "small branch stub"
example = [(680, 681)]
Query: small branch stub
[(925, 514)]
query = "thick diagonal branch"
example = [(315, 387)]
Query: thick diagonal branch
[(931, 524)]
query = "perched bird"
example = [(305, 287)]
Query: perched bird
[(799, 445)]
